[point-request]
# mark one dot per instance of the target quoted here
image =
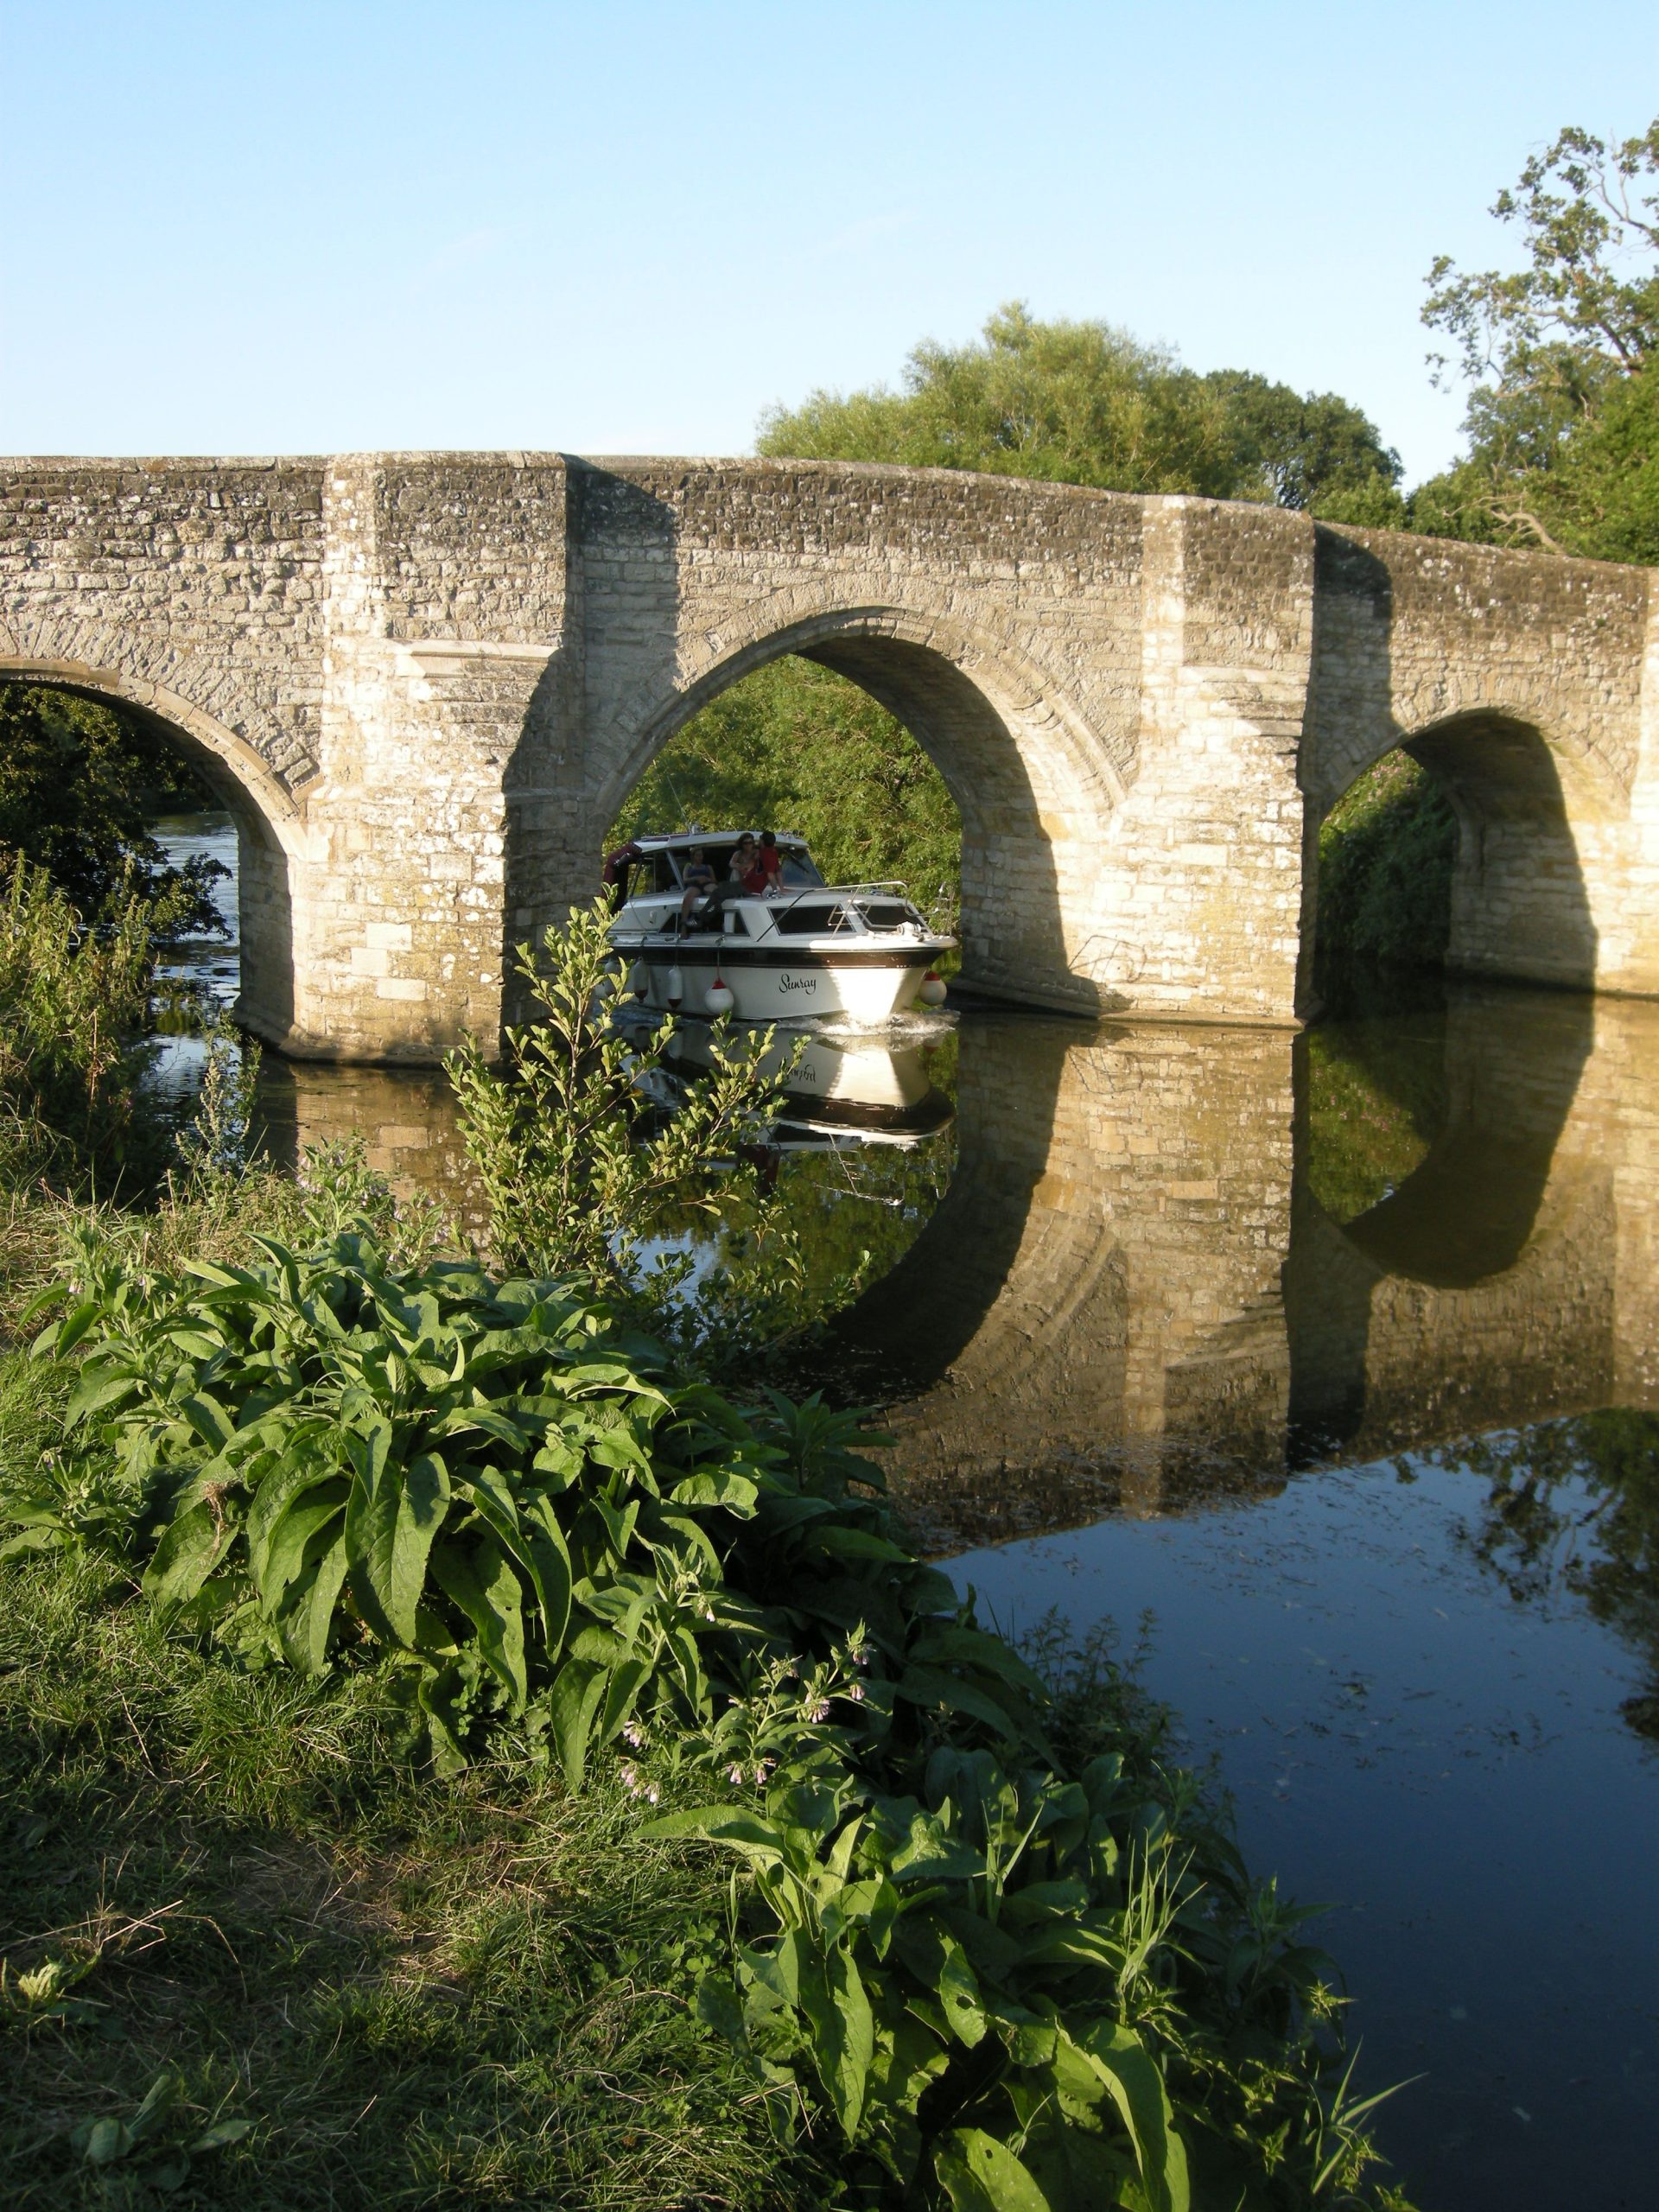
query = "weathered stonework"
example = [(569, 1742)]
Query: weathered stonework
[(424, 682)]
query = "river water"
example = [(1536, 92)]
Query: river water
[(1326, 1368)]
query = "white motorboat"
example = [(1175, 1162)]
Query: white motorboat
[(802, 948)]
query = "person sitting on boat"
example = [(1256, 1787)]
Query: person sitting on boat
[(614, 874), (743, 859), (697, 877), (770, 864)]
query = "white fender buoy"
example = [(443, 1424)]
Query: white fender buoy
[(721, 1000), (932, 990), (675, 990), (638, 979)]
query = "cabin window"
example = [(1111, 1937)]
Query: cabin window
[(809, 921), (884, 914)]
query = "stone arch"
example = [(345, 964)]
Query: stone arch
[(266, 814), (1526, 807), (1533, 810), (1030, 784)]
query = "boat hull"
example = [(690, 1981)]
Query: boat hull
[(865, 984)]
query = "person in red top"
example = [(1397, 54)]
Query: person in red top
[(769, 866)]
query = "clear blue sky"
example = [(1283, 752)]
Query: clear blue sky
[(627, 227)]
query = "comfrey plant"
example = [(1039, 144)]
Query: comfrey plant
[(995, 1976)]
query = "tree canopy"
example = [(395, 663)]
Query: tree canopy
[(1561, 356), (1085, 403)]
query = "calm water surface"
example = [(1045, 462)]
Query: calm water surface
[(1325, 1366)]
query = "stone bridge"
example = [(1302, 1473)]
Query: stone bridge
[(424, 683)]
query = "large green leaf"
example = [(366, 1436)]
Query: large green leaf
[(208, 1418), (309, 1618), (527, 1530), (368, 1447), (751, 1834), (1135, 2086), (390, 1532), (621, 1694), (300, 1468), (843, 2039), (483, 1584), (934, 1689), (574, 1699), (102, 1387), (979, 2174), (544, 1553), (285, 1553), (184, 1558)]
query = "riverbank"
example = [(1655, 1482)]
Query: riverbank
[(476, 1540)]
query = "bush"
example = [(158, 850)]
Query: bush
[(591, 1152), (74, 1005)]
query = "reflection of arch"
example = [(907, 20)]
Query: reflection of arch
[(1425, 1282), (1030, 786), (264, 809), (1092, 1308)]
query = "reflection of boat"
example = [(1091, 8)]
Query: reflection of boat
[(839, 1087), (804, 949)]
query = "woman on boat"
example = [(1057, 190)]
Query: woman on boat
[(697, 877)]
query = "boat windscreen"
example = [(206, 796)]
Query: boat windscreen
[(799, 872), (806, 918)]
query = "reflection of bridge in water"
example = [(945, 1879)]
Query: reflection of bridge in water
[(1132, 1296)]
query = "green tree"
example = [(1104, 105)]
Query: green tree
[(1561, 356), (79, 784), (1302, 451), (1085, 403)]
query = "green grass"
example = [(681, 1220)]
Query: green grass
[(418, 1992)]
